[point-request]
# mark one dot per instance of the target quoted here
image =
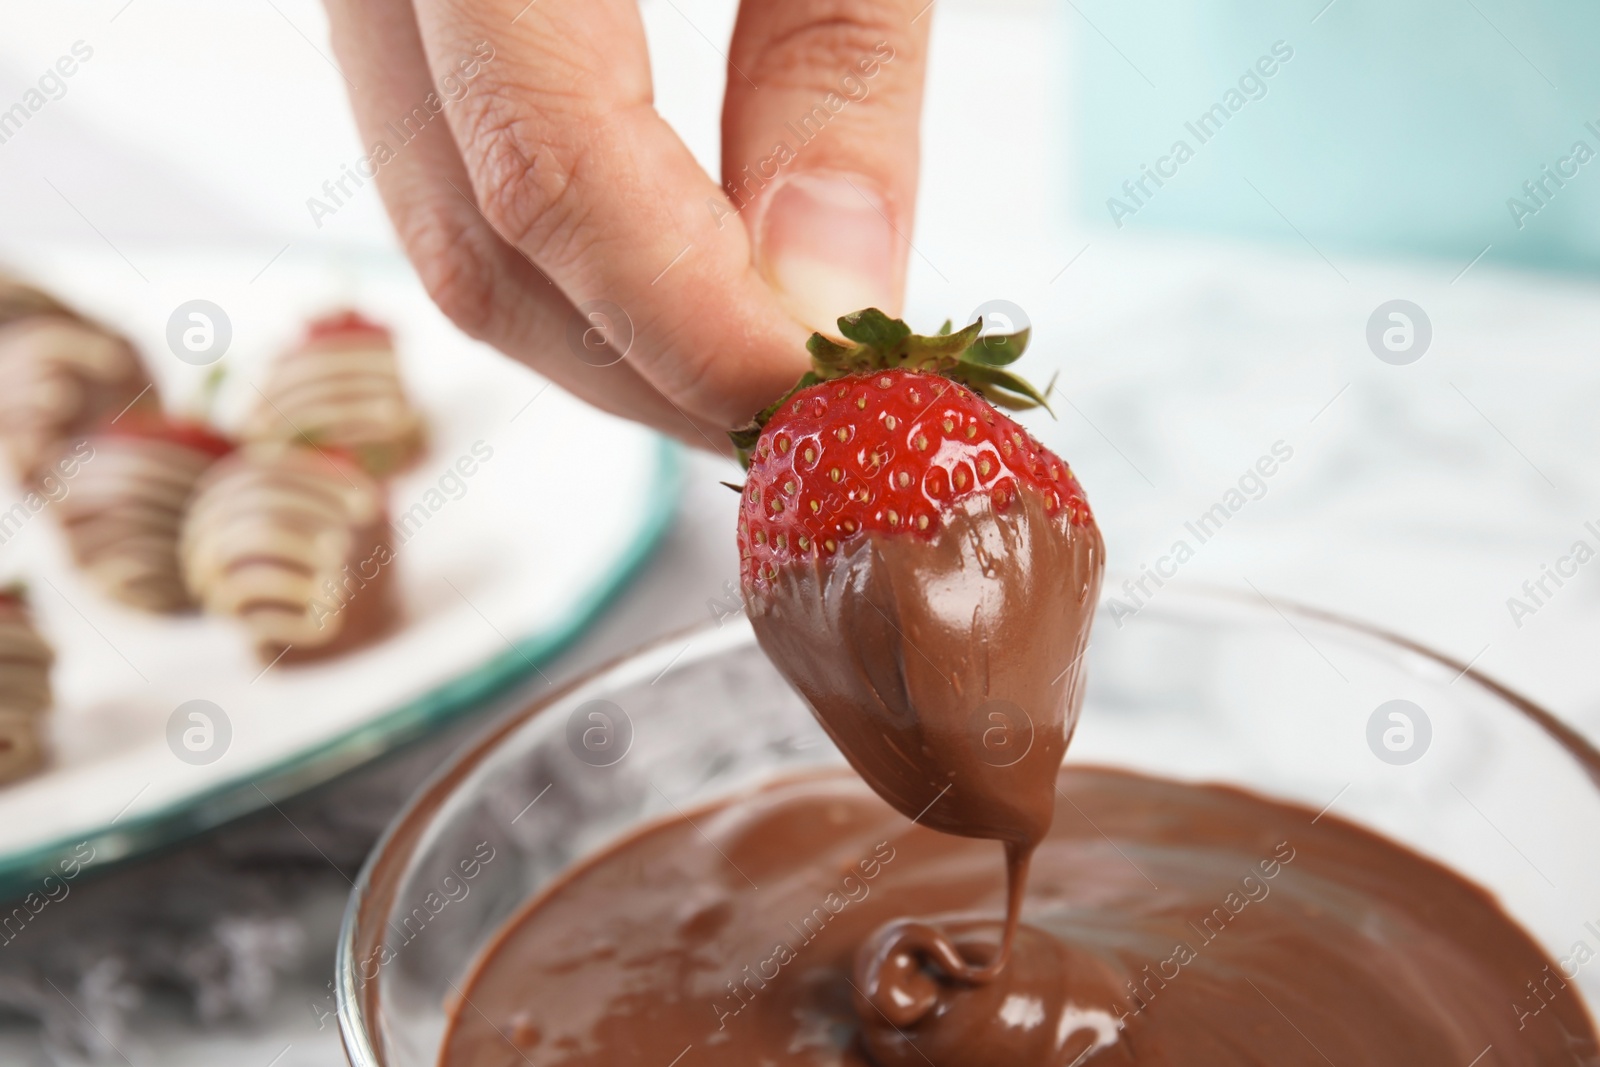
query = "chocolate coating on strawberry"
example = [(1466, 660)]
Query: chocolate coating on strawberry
[(294, 543), (127, 503), (60, 377), (340, 389), (25, 695)]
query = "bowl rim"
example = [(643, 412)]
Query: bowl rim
[(374, 884)]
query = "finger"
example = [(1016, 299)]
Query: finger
[(485, 286), (823, 157), (569, 159)]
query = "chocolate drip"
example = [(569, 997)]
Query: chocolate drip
[(949, 673)]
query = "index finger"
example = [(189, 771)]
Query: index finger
[(570, 162)]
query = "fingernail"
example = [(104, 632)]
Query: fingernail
[(827, 246)]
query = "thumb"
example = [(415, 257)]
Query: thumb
[(820, 143)]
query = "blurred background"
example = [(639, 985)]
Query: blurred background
[(1362, 241)]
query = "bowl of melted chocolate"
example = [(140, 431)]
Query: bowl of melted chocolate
[(1277, 838)]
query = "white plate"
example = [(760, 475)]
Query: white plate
[(496, 571)]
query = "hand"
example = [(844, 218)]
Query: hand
[(539, 181)]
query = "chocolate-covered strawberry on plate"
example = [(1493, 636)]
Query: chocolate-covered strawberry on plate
[(293, 542), (126, 505), (340, 388), (61, 375), (25, 693)]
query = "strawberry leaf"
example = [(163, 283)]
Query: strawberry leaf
[(873, 328), (825, 352), (999, 349), (1000, 387), (878, 342), (933, 352), (744, 438)]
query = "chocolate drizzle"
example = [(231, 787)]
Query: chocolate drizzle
[(294, 543), (123, 515), (25, 692), (341, 389), (60, 377)]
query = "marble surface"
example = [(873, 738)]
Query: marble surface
[(1421, 497)]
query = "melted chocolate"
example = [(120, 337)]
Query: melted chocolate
[(1166, 923)]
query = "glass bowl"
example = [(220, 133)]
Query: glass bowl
[(1288, 702)]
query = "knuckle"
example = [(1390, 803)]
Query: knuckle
[(832, 38), (460, 274), (528, 190)]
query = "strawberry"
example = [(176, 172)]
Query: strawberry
[(341, 388), (185, 433), (129, 488), (338, 323), (890, 445), (923, 571)]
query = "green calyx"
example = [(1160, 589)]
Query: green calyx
[(873, 342)]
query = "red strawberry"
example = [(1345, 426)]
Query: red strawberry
[(347, 321), (890, 451), (186, 433), (923, 571)]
